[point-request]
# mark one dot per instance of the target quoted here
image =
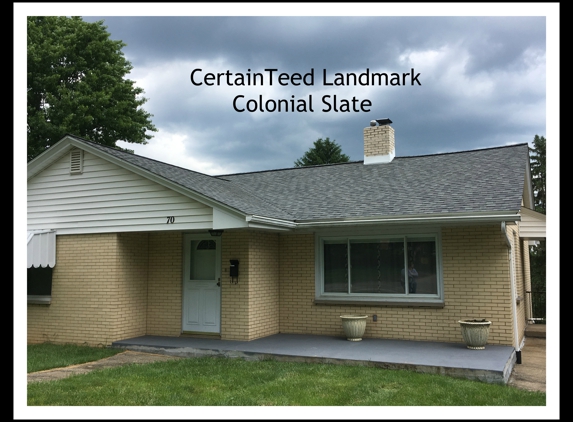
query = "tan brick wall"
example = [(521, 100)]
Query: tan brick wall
[(263, 284), (378, 140), (112, 286), (476, 285), (94, 302), (235, 297), (250, 308), (165, 302), (132, 284)]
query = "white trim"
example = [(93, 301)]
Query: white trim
[(512, 282), (268, 222), (418, 219), (379, 159)]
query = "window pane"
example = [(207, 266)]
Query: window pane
[(40, 281), (335, 267), (202, 260), (376, 266), (422, 270)]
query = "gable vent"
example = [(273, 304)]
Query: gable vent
[(76, 161)]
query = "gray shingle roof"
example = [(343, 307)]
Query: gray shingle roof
[(463, 182)]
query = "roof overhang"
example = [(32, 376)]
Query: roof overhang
[(41, 248), (459, 218), (532, 225)]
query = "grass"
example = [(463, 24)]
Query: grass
[(47, 355), (211, 381)]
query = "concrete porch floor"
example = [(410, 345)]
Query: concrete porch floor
[(494, 364)]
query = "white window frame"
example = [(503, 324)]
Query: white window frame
[(405, 299)]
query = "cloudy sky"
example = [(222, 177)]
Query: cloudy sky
[(477, 82), (482, 83)]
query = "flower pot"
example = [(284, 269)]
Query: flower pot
[(354, 326), (475, 332)]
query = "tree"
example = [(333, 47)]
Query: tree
[(324, 151), (537, 254), (77, 85), (538, 169)]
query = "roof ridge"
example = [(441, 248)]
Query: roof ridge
[(362, 161), (464, 151)]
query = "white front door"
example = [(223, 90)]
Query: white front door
[(202, 284)]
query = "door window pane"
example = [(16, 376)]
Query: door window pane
[(202, 261)]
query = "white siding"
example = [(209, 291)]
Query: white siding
[(107, 198), (532, 225)]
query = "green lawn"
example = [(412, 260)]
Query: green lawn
[(235, 382), (47, 355)]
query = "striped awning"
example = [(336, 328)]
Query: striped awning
[(41, 248)]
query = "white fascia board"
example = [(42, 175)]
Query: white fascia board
[(419, 219), (53, 154), (257, 221)]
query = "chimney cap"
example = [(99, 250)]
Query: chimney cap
[(383, 122)]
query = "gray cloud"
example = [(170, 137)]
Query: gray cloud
[(483, 82)]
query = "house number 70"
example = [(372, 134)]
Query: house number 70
[(170, 220)]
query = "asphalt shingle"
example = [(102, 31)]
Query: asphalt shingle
[(463, 182)]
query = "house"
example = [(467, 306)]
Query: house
[(121, 246)]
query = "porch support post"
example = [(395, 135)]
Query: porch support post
[(513, 295)]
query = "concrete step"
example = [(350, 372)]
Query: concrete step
[(535, 330)]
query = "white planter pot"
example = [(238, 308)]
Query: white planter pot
[(354, 326), (475, 333)]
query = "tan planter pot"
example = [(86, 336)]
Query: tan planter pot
[(475, 333), (354, 326)]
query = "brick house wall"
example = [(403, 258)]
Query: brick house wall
[(165, 275), (112, 286), (250, 308), (476, 285), (99, 291)]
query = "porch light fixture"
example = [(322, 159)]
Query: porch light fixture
[(216, 233)]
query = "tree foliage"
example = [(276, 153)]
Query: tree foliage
[(537, 255), (77, 85), (324, 151), (538, 172)]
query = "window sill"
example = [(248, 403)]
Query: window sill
[(39, 300), (432, 303)]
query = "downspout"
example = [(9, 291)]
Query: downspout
[(513, 294)]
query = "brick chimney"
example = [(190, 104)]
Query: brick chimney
[(379, 145)]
